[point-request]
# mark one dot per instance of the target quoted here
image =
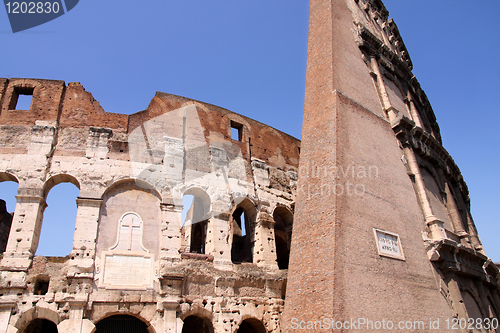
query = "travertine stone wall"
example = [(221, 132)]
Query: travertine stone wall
[(131, 253)]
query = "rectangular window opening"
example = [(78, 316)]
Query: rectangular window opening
[(41, 286), (236, 131), (21, 98)]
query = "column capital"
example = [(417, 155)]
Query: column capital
[(88, 202)]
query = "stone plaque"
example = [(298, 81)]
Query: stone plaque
[(127, 270), (388, 244)]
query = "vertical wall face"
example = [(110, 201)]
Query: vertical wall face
[(130, 254), (378, 194)]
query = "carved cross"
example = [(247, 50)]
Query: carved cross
[(130, 221)]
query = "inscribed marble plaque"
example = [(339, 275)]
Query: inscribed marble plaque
[(388, 244), (128, 270)]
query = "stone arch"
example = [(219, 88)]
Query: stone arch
[(472, 304), (198, 105), (204, 200), (283, 218), (194, 227), (58, 179), (197, 311), (40, 325), (36, 313), (251, 325), (126, 196), (119, 320), (49, 222), (492, 310), (6, 217), (195, 323), (434, 190), (271, 131), (139, 182), (243, 230), (7, 176)]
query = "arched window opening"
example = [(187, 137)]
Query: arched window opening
[(187, 203), (195, 220), (251, 325), (8, 190), (243, 230), (198, 238), (282, 235), (472, 306), (492, 312), (41, 326), (195, 324), (58, 226), (121, 324)]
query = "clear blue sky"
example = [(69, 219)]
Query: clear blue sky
[(250, 57)]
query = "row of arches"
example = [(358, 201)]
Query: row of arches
[(122, 323), (243, 228), (60, 215)]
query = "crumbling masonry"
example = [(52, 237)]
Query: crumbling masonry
[(382, 214)]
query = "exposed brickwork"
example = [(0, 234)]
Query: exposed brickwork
[(136, 169), (360, 92), (382, 228)]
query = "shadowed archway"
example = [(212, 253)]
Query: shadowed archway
[(121, 324), (195, 324), (251, 325), (40, 326)]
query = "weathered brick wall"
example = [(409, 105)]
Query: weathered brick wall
[(139, 167)]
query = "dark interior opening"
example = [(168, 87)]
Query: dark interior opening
[(198, 237), (41, 285), (194, 324), (121, 324), (41, 326), (241, 249), (251, 326)]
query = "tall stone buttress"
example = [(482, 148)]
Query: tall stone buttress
[(376, 223)]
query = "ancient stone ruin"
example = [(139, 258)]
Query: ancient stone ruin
[(380, 212)]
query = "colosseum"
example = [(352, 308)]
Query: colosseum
[(373, 226)]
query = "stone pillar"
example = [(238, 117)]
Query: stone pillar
[(390, 112), (273, 316), (25, 230), (265, 245), (414, 113), (221, 250), (186, 238), (76, 323), (483, 297), (210, 238), (170, 316), (5, 312), (474, 237), (170, 242), (336, 268), (456, 217), (436, 227), (456, 295), (84, 240)]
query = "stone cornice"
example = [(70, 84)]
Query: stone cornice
[(452, 257), (429, 149)]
